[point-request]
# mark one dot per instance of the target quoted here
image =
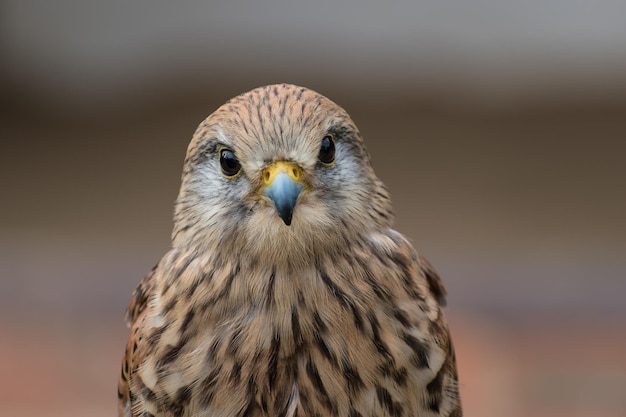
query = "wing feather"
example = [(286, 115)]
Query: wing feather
[(433, 279), (134, 313)]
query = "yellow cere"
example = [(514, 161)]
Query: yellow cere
[(270, 172)]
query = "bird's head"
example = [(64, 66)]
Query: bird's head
[(279, 172)]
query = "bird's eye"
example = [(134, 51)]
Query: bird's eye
[(229, 163), (327, 150)]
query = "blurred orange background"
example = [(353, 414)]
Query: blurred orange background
[(500, 128)]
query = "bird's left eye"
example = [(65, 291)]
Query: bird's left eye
[(327, 150), (229, 163)]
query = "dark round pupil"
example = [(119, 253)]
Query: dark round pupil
[(228, 161), (327, 151)]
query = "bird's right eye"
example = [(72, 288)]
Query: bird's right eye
[(229, 163)]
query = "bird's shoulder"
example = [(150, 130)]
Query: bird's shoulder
[(397, 249), (138, 346), (132, 356), (141, 295)]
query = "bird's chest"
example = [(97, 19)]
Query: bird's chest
[(311, 366), (305, 348)]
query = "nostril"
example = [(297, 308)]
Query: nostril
[(295, 173), (267, 176)]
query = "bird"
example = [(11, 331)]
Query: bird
[(286, 291)]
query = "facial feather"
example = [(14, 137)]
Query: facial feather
[(266, 125)]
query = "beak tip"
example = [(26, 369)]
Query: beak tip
[(286, 214)]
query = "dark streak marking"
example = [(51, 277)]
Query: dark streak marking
[(320, 326), (343, 299), (207, 385), (419, 348), (234, 344), (229, 282), (273, 365), (384, 398), (378, 342), (194, 285), (314, 376), (434, 389), (145, 391), (249, 410), (295, 327), (401, 316), (433, 279), (323, 348), (170, 305), (188, 318), (154, 338), (353, 379), (182, 397), (354, 413), (270, 288), (235, 373), (171, 354), (179, 271)]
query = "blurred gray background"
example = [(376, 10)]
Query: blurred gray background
[(499, 126)]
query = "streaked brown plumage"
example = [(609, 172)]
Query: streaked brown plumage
[(286, 292)]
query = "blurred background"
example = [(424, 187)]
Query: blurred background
[(499, 126)]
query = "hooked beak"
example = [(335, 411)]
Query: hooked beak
[(282, 188)]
